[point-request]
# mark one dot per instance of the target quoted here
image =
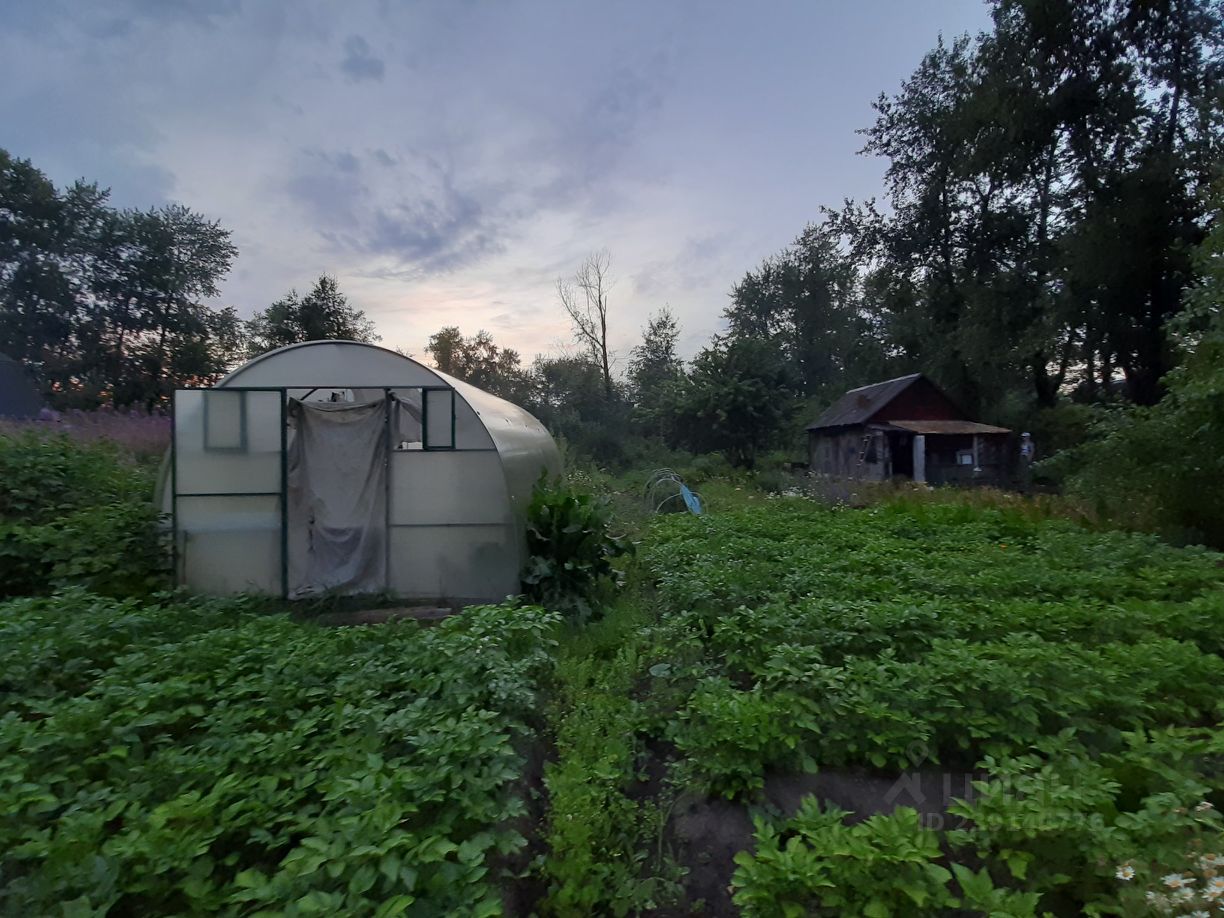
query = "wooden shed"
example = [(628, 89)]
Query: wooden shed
[(906, 428)]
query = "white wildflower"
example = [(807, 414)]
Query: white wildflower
[(1209, 861), (1125, 872), (1204, 807), (1176, 881), (1214, 890), (1200, 913), (1184, 895)]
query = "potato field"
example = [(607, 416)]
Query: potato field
[(922, 707)]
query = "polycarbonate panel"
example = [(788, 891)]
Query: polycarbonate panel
[(470, 563), (448, 487), (230, 544), (341, 364), (224, 420), (439, 419), (253, 467), (525, 446), (470, 430)]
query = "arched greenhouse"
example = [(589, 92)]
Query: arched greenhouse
[(334, 467)]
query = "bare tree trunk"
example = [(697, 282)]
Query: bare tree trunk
[(585, 300)]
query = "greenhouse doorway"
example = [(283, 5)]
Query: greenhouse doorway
[(336, 497)]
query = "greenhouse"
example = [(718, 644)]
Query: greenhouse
[(334, 467)]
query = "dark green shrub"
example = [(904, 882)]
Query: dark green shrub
[(114, 550), (76, 514), (1162, 467), (571, 549), (44, 477)]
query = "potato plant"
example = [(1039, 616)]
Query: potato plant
[(1044, 655), (200, 757)]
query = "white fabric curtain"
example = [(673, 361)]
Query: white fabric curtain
[(337, 492)]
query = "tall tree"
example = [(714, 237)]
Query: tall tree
[(739, 398), (1045, 186), (570, 399), (46, 240), (323, 314), (585, 300), (808, 300), (1162, 466), (654, 362), (479, 361), (97, 301), (173, 260), (654, 369)]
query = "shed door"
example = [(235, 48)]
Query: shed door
[(337, 497)]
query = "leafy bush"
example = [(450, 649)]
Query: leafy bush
[(816, 864), (75, 513), (1163, 467), (44, 477), (202, 758), (113, 550), (730, 736), (1103, 833), (570, 547)]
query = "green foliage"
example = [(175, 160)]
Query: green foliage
[(107, 306), (654, 363), (116, 550), (477, 360), (41, 478), (1100, 830), (739, 399), (570, 399), (815, 864), (324, 314), (603, 855), (1163, 467), (1039, 223), (570, 548), (77, 514), (1075, 667), (199, 757), (729, 736), (808, 299)]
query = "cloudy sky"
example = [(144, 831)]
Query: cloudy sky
[(449, 160)]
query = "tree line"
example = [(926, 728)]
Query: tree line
[(108, 306), (1046, 192), (1035, 250), (1046, 201)]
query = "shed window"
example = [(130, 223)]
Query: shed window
[(964, 457), (225, 426), (439, 419)]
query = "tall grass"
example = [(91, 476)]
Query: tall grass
[(146, 437)]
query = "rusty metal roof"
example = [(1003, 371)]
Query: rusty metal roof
[(858, 405), (947, 427)]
